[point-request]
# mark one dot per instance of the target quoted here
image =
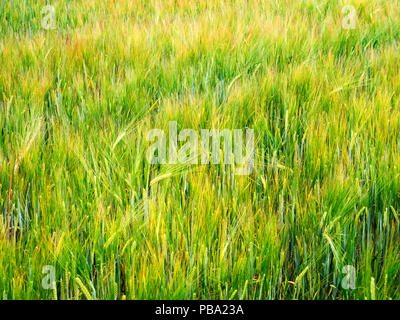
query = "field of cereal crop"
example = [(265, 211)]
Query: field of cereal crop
[(84, 214)]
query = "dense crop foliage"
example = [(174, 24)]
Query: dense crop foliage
[(76, 189)]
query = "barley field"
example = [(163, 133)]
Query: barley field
[(85, 215)]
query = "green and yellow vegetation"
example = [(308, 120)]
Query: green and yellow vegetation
[(76, 189)]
